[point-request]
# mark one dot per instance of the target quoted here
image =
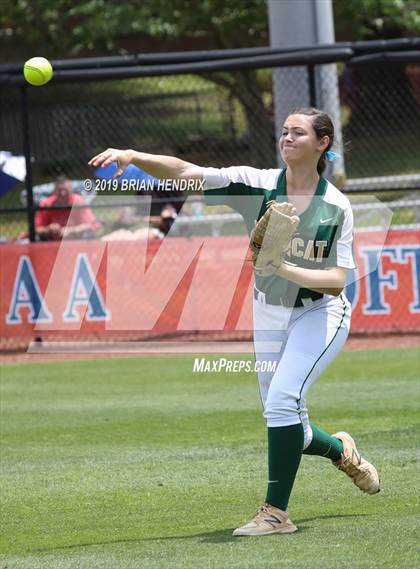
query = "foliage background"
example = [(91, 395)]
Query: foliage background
[(63, 28)]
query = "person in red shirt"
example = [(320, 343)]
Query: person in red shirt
[(56, 224)]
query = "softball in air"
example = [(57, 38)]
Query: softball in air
[(37, 71)]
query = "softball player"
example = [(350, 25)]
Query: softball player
[(301, 315)]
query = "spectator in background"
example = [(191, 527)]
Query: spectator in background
[(163, 222), (158, 226), (72, 223)]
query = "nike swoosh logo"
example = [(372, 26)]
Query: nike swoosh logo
[(325, 220)]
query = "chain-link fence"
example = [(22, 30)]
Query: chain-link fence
[(212, 118)]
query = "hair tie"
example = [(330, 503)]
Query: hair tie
[(331, 156)]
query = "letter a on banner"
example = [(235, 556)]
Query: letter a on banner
[(27, 294), (85, 291)]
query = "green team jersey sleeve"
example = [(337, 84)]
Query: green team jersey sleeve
[(243, 188)]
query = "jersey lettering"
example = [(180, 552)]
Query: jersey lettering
[(294, 249), (321, 245), (309, 252), (312, 251)]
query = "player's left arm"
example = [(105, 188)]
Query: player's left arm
[(326, 281)]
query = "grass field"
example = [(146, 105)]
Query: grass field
[(139, 463)]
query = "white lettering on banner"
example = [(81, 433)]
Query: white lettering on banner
[(27, 294)]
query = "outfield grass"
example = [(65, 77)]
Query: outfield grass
[(142, 464)]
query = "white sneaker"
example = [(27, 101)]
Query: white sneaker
[(362, 472), (267, 520)]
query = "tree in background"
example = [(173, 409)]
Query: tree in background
[(375, 19), (64, 28)]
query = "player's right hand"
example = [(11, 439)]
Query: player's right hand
[(121, 157)]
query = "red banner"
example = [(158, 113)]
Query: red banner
[(386, 295), (198, 283)]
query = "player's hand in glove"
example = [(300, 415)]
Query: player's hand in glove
[(105, 158), (270, 238)]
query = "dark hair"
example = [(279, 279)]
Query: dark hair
[(62, 178), (323, 126)]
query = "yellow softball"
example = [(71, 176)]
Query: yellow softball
[(37, 71)]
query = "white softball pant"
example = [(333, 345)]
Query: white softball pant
[(303, 342)]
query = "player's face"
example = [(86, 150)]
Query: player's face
[(298, 141)]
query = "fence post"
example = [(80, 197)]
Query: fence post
[(27, 152), (312, 86)]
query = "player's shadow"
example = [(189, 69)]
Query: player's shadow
[(304, 524), (218, 536), (225, 535), (328, 517), (221, 536)]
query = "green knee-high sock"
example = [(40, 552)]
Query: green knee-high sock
[(323, 444), (284, 453)]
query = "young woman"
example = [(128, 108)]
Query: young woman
[(301, 315)]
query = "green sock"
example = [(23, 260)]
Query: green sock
[(323, 444), (284, 453)]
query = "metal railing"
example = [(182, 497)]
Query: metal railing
[(211, 108)]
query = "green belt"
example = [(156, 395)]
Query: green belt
[(288, 301)]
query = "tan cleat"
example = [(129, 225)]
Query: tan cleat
[(363, 474), (267, 520)]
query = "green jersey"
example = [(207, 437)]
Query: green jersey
[(325, 234)]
